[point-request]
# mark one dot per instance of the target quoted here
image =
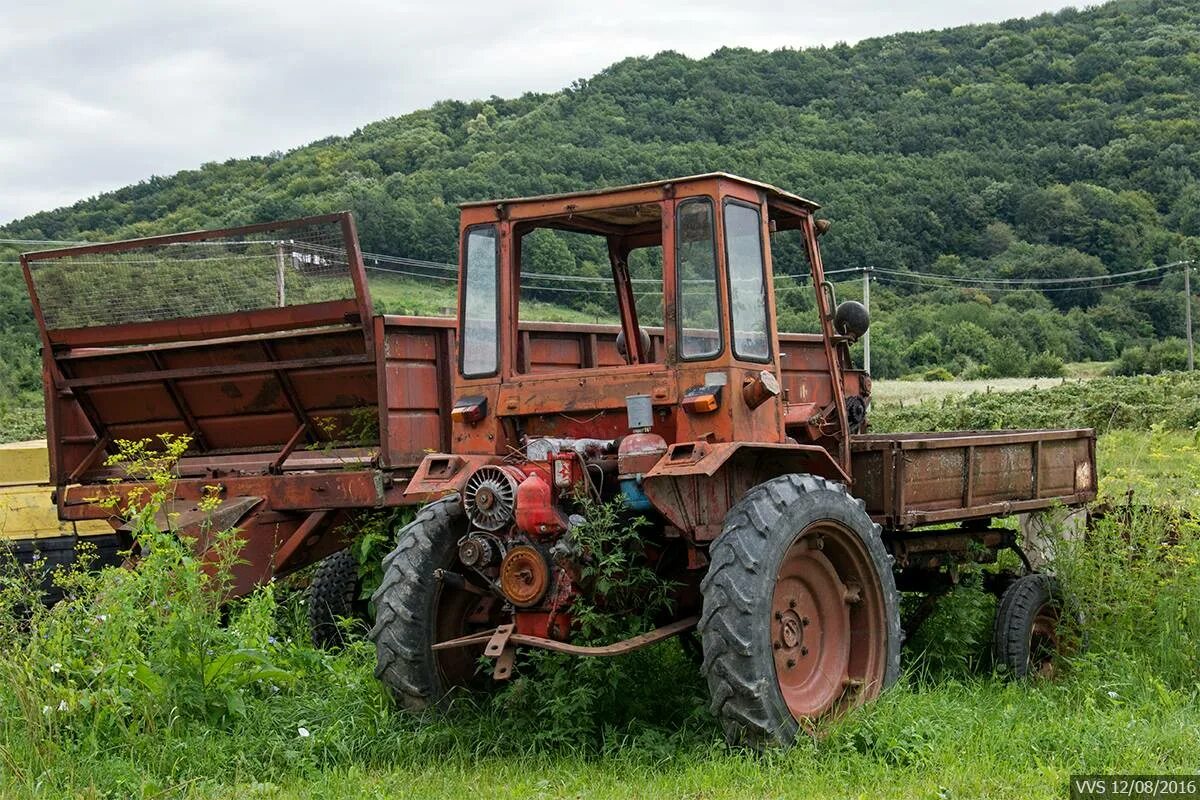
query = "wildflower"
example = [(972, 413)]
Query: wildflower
[(56, 667), (62, 705), (45, 709), (303, 731), (1113, 695)]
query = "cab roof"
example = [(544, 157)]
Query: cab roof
[(772, 192)]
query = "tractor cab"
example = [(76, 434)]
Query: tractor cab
[(693, 401), (697, 362)]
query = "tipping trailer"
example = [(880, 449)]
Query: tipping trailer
[(786, 527)]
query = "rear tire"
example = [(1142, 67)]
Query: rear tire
[(333, 597), (414, 610), (1026, 636), (801, 614)]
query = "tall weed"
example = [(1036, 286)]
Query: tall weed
[(1134, 579), (593, 703)]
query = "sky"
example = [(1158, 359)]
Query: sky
[(99, 94)]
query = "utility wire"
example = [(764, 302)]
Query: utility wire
[(886, 274)]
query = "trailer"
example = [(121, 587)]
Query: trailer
[(747, 449)]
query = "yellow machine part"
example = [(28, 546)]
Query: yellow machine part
[(26, 510)]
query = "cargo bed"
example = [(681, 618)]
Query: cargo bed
[(912, 479)]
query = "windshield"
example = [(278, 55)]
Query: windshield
[(747, 288)]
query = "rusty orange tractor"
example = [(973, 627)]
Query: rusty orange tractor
[(785, 527)]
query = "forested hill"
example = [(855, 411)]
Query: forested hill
[(1079, 129), (1063, 145)]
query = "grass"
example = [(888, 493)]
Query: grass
[(949, 729), (1170, 401), (966, 736), (1161, 468), (962, 739)]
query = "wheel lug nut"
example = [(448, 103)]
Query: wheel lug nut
[(803, 650), (779, 616), (791, 603), (805, 621), (779, 645), (791, 662)]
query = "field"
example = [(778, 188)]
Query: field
[(83, 716), (899, 392)]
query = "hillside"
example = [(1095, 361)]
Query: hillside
[(1063, 145)]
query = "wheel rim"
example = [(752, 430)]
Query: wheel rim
[(1044, 643), (458, 612), (828, 624)]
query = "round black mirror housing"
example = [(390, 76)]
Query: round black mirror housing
[(851, 319)]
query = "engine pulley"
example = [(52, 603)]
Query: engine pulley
[(476, 552), (524, 576)]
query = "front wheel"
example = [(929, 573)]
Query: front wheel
[(801, 614)]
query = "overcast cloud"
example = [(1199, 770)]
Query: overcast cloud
[(99, 94)]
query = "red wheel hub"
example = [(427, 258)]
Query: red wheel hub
[(828, 625), (1043, 641)]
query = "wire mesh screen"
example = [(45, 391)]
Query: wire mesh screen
[(229, 272)]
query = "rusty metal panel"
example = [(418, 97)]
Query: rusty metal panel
[(417, 378), (550, 353), (238, 337)]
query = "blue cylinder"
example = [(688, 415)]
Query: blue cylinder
[(635, 498)]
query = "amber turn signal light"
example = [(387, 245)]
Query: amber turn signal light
[(469, 409), (702, 399)]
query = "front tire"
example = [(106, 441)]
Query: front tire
[(801, 614), (414, 610)]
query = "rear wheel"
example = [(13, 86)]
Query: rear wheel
[(414, 610), (801, 613), (1028, 631), (333, 596)]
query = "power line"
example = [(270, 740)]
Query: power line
[(932, 284), (887, 274), (1032, 281)]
